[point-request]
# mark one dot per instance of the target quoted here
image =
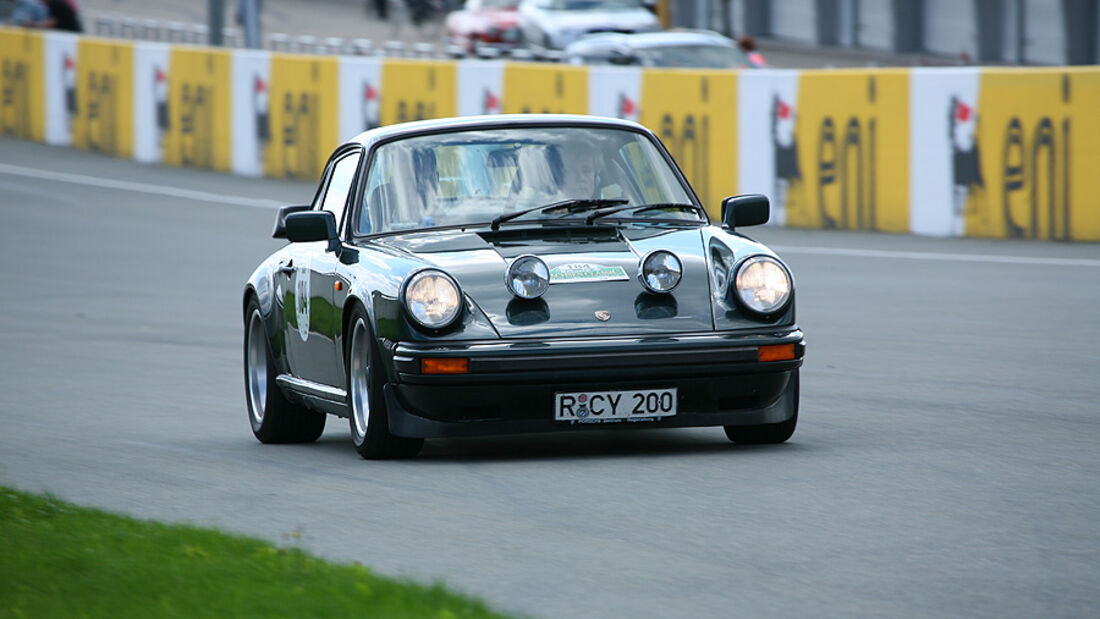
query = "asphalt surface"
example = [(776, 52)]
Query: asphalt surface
[(946, 462)]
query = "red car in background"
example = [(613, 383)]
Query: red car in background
[(489, 23)]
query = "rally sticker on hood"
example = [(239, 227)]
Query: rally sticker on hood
[(577, 272)]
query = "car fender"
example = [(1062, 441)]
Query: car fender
[(261, 285), (727, 314), (374, 280)]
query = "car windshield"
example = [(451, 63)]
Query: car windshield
[(594, 5), (702, 56), (498, 4), (472, 177)]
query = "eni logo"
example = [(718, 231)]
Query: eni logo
[(100, 113), (15, 100)]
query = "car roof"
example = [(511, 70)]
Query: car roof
[(650, 39), (494, 121)]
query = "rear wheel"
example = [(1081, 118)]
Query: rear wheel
[(370, 432), (768, 433), (273, 418)]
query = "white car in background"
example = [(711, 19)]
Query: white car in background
[(553, 24), (702, 49)]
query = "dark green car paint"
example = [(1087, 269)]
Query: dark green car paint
[(477, 257)]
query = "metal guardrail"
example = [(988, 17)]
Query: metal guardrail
[(198, 34)]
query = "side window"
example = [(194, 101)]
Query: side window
[(339, 184)]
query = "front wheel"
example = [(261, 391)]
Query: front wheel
[(768, 433), (370, 432), (273, 418)]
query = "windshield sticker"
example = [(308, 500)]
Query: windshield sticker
[(577, 272)]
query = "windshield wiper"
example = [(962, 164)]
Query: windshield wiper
[(572, 206), (647, 207)]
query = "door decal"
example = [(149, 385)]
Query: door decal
[(301, 297)]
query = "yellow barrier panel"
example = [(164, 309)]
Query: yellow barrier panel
[(853, 137), (200, 98), (695, 115), (22, 87), (417, 90), (104, 97), (305, 113), (1039, 135), (543, 89)]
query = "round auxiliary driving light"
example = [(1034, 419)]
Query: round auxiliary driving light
[(763, 284), (661, 271), (528, 277), (432, 298)]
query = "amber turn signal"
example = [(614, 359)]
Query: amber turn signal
[(449, 365), (779, 352)]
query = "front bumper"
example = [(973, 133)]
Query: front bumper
[(510, 385)]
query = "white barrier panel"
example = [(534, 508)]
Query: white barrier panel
[(945, 163), (360, 95), (251, 111), (615, 92), (767, 142), (60, 76), (480, 87), (151, 120)]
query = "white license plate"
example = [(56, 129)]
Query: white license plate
[(605, 406)]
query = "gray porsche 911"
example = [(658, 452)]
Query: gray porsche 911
[(510, 274)]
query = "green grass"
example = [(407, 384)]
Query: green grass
[(59, 560)]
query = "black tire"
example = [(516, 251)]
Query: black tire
[(273, 418), (369, 420), (768, 433)]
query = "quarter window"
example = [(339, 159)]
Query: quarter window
[(336, 194)]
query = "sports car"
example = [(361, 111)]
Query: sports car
[(701, 49), (513, 274), (484, 23), (553, 24)]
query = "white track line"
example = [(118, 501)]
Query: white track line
[(940, 256), (158, 190), (205, 196)]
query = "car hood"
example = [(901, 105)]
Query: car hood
[(610, 255)]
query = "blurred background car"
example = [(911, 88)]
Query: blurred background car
[(554, 24), (484, 23), (675, 48)]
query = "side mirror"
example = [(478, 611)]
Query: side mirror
[(280, 219), (313, 226), (750, 209)]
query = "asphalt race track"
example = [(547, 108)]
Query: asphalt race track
[(946, 463)]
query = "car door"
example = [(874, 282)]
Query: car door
[(313, 347)]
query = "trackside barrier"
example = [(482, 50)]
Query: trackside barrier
[(978, 152)]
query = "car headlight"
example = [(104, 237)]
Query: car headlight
[(763, 284), (528, 277), (661, 271), (432, 298)]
